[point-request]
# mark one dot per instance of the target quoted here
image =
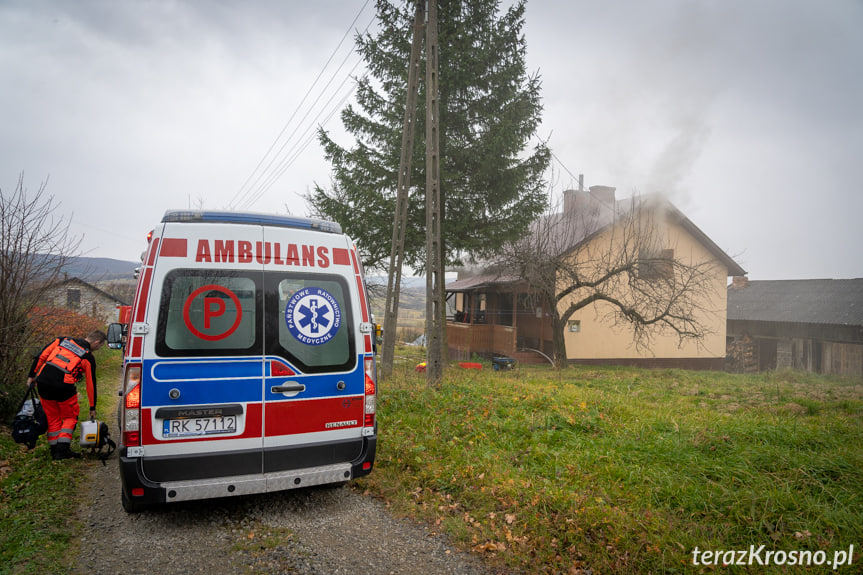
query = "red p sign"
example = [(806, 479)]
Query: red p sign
[(213, 307), (209, 312)]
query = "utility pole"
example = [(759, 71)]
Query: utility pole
[(434, 257), (391, 313)]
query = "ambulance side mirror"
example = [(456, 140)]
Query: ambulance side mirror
[(116, 337)]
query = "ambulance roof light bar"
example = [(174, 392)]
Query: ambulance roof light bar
[(252, 218)]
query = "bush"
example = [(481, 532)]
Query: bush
[(43, 325), (48, 323)]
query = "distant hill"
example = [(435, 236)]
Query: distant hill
[(407, 282), (100, 269)]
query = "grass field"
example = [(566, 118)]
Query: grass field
[(600, 470), (618, 470)]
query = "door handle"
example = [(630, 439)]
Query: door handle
[(288, 388)]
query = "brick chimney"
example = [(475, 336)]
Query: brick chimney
[(575, 200), (739, 282), (605, 195), (599, 199)]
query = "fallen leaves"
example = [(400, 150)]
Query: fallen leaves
[(5, 468), (489, 547)]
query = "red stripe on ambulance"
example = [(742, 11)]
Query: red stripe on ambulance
[(151, 257), (291, 417), (174, 248), (143, 294), (137, 346), (360, 288), (341, 257), (362, 292)]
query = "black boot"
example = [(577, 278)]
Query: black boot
[(53, 451), (64, 451)]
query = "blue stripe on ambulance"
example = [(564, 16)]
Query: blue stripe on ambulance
[(209, 380)]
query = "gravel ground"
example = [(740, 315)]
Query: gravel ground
[(312, 531)]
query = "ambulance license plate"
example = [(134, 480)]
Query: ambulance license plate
[(199, 426)]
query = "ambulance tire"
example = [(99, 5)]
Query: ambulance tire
[(130, 506)]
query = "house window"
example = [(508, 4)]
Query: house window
[(574, 325), (73, 298), (656, 265), (455, 307), (480, 308), (505, 303)]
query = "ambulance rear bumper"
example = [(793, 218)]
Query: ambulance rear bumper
[(142, 492)]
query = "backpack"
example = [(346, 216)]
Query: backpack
[(31, 421), (96, 437)]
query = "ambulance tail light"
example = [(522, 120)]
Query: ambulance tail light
[(371, 393), (132, 406)]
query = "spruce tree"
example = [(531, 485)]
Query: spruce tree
[(491, 175)]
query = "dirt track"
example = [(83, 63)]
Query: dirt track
[(308, 531)]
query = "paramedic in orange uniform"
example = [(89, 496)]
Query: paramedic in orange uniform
[(57, 369)]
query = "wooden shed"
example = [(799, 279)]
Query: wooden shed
[(811, 325)]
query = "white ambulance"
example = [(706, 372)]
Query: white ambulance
[(249, 360)]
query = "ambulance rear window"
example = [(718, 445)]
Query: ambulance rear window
[(312, 327), (209, 312), (304, 318)]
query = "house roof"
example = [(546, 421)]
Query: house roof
[(734, 268), (820, 301), (675, 214), (593, 216), (480, 281)]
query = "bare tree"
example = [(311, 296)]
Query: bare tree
[(618, 253), (35, 246)]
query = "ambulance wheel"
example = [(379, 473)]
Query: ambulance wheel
[(131, 506)]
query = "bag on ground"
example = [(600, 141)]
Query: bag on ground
[(30, 422), (96, 437)]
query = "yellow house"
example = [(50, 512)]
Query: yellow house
[(490, 314)]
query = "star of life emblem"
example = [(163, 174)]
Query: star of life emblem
[(313, 316)]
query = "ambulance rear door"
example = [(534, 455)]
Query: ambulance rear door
[(203, 366), (314, 390)]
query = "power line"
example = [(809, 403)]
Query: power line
[(307, 134), (244, 192), (252, 196), (558, 160), (300, 146)]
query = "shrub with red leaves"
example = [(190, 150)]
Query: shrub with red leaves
[(48, 323)]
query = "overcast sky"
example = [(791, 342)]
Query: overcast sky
[(748, 114)]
